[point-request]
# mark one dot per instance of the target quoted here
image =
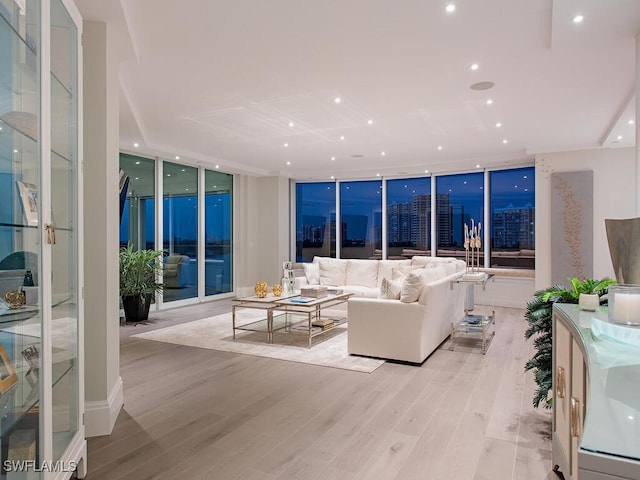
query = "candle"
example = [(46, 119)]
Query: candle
[(626, 308)]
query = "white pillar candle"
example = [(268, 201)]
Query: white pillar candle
[(626, 307)]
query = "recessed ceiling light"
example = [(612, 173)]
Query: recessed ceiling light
[(288, 163), (0, 129), (475, 66), (333, 158), (619, 137), (370, 122), (498, 124), (489, 101), (578, 19), (450, 8), (138, 162), (332, 177), (291, 124), (337, 99), (439, 147), (177, 157), (341, 137), (286, 144), (217, 166), (136, 145), (631, 122), (377, 174), (630, 417), (505, 140), (15, 150), (478, 166), (383, 153), (426, 171)]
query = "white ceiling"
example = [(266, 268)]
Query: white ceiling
[(218, 82)]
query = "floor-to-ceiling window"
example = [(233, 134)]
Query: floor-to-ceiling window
[(315, 220), (360, 219), (180, 230), (459, 201), (408, 216), (513, 211), (218, 232), (137, 220)]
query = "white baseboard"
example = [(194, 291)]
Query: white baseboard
[(100, 416)]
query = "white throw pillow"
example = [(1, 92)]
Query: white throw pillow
[(312, 273), (411, 287), (401, 270), (390, 289), (333, 271), (430, 275), (385, 268)]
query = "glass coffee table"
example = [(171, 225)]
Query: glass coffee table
[(267, 304)]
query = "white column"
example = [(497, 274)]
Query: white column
[(637, 175), (103, 385)]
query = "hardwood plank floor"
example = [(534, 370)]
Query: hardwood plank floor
[(204, 414)]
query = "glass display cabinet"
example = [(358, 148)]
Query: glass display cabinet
[(41, 311)]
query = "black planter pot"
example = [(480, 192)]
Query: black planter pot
[(136, 307)]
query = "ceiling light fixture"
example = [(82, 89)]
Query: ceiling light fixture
[(475, 66), (439, 147), (631, 122), (337, 99), (489, 101), (333, 158), (136, 145), (578, 19), (377, 174), (217, 166), (370, 122), (332, 177), (291, 124), (286, 144), (498, 124), (505, 140), (177, 157), (15, 150), (341, 137), (619, 137), (383, 153), (288, 163), (426, 171), (478, 166), (450, 8)]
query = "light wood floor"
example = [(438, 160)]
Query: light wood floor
[(192, 413)]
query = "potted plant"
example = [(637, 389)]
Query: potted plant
[(139, 271), (539, 316)]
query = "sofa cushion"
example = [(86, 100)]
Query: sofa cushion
[(312, 273), (385, 268), (362, 272), (430, 275), (333, 271), (359, 291), (390, 289), (411, 287)]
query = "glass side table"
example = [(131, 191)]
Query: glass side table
[(478, 325)]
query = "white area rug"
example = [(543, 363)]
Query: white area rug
[(216, 333)]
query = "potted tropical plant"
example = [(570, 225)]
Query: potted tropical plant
[(139, 272), (539, 316)]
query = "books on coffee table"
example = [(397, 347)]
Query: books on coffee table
[(314, 292)]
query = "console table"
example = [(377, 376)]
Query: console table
[(596, 397)]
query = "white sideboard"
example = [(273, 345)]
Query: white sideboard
[(596, 397)]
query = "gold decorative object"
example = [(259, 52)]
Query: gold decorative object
[(277, 290), (15, 298), (261, 289)]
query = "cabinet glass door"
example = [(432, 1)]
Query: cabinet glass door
[(20, 218), (64, 253)]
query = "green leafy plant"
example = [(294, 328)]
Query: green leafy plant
[(539, 317), (139, 270)]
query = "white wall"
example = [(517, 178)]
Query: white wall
[(103, 385), (614, 196)]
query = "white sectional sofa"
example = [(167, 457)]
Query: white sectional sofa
[(401, 309)]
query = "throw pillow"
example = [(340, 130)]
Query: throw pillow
[(390, 289), (333, 271), (401, 270), (411, 287), (312, 273)]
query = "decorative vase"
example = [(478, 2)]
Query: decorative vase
[(624, 247), (261, 289), (589, 302), (277, 290)]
